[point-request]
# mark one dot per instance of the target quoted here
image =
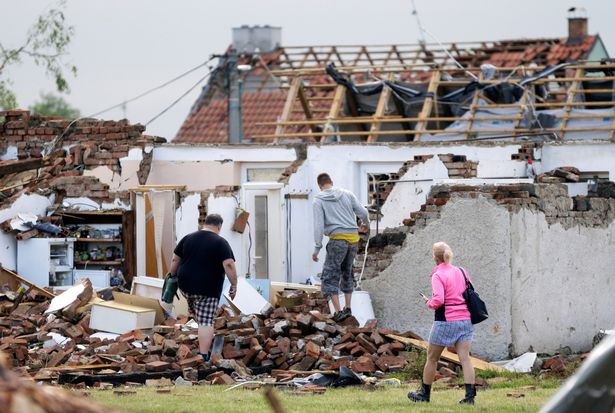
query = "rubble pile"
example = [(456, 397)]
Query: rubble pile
[(284, 343), (301, 338), (17, 395), (560, 175)]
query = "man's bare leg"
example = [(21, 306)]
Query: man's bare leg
[(347, 299), (335, 299), (206, 336)]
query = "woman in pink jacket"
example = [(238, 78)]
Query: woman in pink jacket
[(452, 325)]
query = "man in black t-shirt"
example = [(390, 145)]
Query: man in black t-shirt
[(200, 261)]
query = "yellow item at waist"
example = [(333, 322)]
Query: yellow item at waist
[(349, 238)]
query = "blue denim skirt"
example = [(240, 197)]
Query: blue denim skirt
[(448, 333)]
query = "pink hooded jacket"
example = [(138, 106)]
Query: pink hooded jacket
[(448, 285)]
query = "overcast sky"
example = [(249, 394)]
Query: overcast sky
[(124, 47)]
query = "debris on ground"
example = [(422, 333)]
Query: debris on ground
[(297, 345), (18, 395)]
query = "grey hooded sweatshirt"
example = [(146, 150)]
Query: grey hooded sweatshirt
[(334, 213)]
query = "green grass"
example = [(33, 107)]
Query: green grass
[(354, 399)]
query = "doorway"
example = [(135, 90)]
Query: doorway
[(264, 240)]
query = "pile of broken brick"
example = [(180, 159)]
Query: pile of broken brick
[(284, 344)]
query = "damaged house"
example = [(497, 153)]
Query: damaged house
[(506, 153)]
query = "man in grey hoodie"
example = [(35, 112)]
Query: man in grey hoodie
[(335, 212)]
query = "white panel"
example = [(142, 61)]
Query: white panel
[(120, 321)]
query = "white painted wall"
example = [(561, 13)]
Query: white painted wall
[(586, 156), (301, 226), (187, 216), (563, 283), (228, 153), (34, 204)]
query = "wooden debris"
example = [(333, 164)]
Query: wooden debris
[(447, 355)]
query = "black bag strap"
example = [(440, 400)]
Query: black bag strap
[(468, 283)]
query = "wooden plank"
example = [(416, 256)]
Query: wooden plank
[(427, 104), (381, 108), (475, 98), (447, 355), (128, 235), (334, 110), (9, 275), (288, 105), (151, 261), (81, 367), (517, 123), (147, 188), (305, 104), (12, 167), (570, 99)]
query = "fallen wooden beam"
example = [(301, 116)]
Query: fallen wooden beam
[(14, 279), (12, 167), (304, 373), (447, 355), (122, 378), (82, 367)]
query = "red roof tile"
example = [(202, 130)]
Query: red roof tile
[(209, 124)]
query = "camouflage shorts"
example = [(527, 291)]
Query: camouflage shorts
[(337, 272)]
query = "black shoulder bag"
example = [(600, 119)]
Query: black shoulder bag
[(477, 307)]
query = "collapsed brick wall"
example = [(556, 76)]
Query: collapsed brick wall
[(385, 188), (458, 167), (595, 210), (526, 152), (91, 143), (301, 151)]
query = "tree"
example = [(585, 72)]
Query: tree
[(46, 45), (54, 105)]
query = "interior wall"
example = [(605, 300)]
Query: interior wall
[(196, 175), (33, 204)]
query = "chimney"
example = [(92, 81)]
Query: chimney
[(256, 39), (577, 25)]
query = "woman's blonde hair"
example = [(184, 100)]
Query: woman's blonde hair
[(442, 252)]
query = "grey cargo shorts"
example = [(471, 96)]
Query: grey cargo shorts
[(337, 272)]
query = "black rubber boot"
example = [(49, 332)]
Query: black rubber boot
[(422, 395), (470, 394)]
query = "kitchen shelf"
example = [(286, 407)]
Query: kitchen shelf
[(116, 262), (99, 240)]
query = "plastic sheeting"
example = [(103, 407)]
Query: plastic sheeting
[(576, 123), (482, 122)]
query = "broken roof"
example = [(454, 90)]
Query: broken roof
[(266, 98), (46, 154)]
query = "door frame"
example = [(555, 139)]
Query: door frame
[(276, 227)]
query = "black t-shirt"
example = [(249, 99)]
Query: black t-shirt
[(200, 268)]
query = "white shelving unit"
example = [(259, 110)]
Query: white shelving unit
[(46, 262)]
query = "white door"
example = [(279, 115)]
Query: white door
[(263, 240)]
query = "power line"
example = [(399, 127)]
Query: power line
[(176, 101), (123, 103)]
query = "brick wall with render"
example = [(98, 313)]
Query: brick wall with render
[(595, 210), (528, 247), (90, 143)]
